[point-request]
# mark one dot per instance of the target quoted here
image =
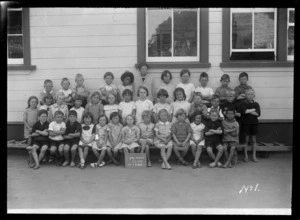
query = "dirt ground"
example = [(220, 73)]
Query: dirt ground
[(113, 187)]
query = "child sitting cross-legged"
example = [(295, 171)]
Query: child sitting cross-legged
[(213, 132), (181, 133), (147, 134), (230, 138), (163, 138)]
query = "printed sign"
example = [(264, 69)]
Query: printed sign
[(135, 160)]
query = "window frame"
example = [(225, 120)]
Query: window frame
[(203, 43), (253, 10), (289, 57), (26, 65), (281, 44), (174, 58)]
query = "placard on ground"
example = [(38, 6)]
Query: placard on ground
[(135, 160)]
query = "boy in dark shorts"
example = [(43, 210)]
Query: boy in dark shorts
[(213, 133), (181, 133), (56, 130), (250, 111), (40, 139), (72, 137)]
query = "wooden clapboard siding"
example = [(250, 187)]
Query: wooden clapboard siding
[(92, 41)]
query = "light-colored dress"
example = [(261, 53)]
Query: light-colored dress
[(170, 87), (198, 133), (31, 117), (87, 134), (141, 106), (126, 108), (158, 106), (115, 131), (100, 136), (108, 109), (129, 134), (164, 130), (147, 133), (178, 105), (189, 89)]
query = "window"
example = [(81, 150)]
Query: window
[(253, 34), (15, 44), (18, 39), (290, 33), (170, 37), (254, 37)]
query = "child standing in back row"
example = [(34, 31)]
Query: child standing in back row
[(250, 111), (240, 91), (48, 85), (188, 87), (224, 88), (80, 89), (108, 87), (205, 91), (65, 83)]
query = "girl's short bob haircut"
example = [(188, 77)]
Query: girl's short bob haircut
[(146, 113), (225, 77), (30, 98), (165, 73), (108, 74), (162, 92), (162, 111), (58, 112), (179, 89), (193, 116), (203, 75), (114, 114), (185, 71), (87, 115), (131, 117), (48, 96), (103, 116), (242, 74), (95, 93), (180, 112), (127, 74), (127, 92), (43, 111), (144, 88)]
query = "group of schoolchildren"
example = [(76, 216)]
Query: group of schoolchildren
[(110, 122)]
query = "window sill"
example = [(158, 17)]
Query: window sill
[(178, 65), (21, 67), (257, 64)]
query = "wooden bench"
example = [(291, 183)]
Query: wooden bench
[(261, 146)]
